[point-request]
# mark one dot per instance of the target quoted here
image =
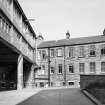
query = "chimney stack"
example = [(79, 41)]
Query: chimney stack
[(67, 35)]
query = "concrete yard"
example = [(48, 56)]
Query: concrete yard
[(67, 96)]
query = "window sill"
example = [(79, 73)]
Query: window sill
[(52, 56), (59, 56), (92, 73), (60, 73), (81, 72), (81, 56), (51, 73), (71, 57), (71, 73), (92, 56)]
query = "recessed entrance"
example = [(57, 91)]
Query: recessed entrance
[(8, 68)]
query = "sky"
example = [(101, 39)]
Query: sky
[(54, 17)]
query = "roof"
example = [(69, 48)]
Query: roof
[(72, 41)]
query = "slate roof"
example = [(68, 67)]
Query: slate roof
[(72, 41)]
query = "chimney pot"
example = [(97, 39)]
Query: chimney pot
[(67, 35)]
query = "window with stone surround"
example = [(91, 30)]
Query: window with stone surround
[(52, 52), (92, 67), (43, 54), (59, 52), (60, 69), (52, 70), (70, 83), (81, 67), (71, 68), (103, 67), (92, 50), (71, 52), (103, 50), (81, 51)]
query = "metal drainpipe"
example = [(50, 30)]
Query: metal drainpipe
[(65, 67), (49, 66)]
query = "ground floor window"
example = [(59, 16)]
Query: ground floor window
[(52, 84), (41, 84), (70, 83)]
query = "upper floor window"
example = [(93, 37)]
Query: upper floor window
[(92, 67), (59, 52), (92, 50), (52, 70), (52, 52), (60, 68), (103, 50), (81, 51), (71, 69), (81, 67), (43, 54), (103, 67), (71, 52)]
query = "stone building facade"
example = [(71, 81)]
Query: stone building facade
[(63, 61), (17, 47)]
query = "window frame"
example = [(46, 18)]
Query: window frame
[(81, 51), (103, 67), (51, 70), (60, 69), (92, 50), (81, 67), (103, 50), (61, 52), (52, 53), (92, 67), (70, 66), (72, 83), (71, 52), (43, 56)]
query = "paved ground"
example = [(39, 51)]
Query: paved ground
[(58, 97), (14, 97)]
